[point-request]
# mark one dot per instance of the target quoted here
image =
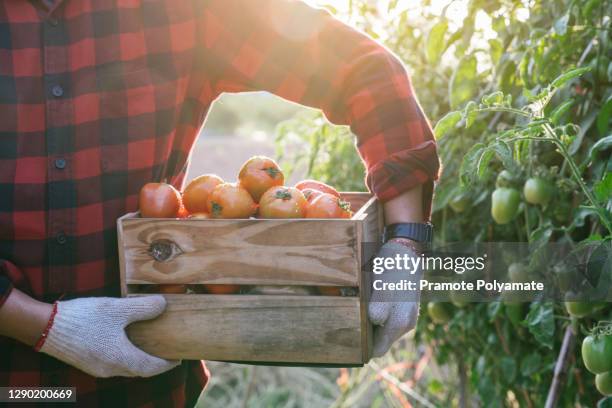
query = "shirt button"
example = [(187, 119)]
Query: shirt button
[(61, 238), (53, 21), (57, 90), (60, 163)]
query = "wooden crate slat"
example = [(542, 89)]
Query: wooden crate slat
[(284, 252), (308, 329)]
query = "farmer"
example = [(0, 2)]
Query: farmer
[(98, 98)]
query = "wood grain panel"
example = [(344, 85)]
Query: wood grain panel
[(282, 252), (298, 329)]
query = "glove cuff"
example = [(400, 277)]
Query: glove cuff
[(62, 339)]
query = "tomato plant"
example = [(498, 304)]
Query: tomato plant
[(531, 100)]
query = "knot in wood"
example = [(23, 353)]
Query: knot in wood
[(163, 250)]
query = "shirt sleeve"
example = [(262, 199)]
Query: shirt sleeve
[(307, 56), (6, 286)]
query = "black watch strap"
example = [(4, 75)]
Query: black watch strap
[(415, 231)]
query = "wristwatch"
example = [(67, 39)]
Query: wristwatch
[(414, 231)]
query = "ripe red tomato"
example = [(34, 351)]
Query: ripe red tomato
[(225, 289), (195, 195), (329, 290), (168, 289), (259, 174), (311, 194), (328, 206), (317, 185), (282, 202), (159, 200), (182, 212), (200, 215), (229, 200)]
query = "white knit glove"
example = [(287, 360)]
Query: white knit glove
[(393, 312), (89, 334)]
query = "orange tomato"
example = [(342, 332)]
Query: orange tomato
[(311, 194), (328, 206), (200, 215), (195, 195), (317, 185), (329, 290), (182, 212), (229, 200), (225, 289), (159, 200), (259, 174), (168, 289), (282, 202)]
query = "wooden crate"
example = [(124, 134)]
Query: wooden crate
[(285, 329)]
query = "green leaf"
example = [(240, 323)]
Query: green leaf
[(508, 367), (568, 76), (601, 144), (603, 118), (445, 124), (468, 164), (504, 154), (559, 112), (541, 323), (530, 364), (495, 98), (541, 235), (603, 188), (435, 42), (483, 162), (470, 113), (463, 84), (496, 50)]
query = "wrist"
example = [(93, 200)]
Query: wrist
[(23, 318), (43, 335)]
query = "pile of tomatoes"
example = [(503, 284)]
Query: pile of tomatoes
[(259, 192)]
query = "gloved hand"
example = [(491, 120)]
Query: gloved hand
[(393, 313), (89, 334)]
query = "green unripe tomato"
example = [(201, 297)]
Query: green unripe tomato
[(603, 383), (505, 179), (538, 191), (460, 298), (597, 353), (459, 203), (518, 272), (504, 204), (579, 309), (439, 312)]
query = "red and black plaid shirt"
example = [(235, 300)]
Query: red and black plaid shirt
[(98, 97)]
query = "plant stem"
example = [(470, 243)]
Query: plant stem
[(576, 173)]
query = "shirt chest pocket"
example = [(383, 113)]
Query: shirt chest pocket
[(138, 112)]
